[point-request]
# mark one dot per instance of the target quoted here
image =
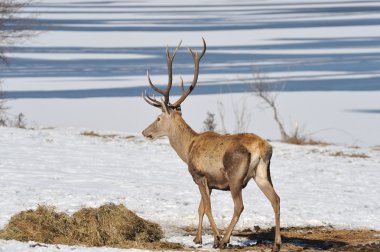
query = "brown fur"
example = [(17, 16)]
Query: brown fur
[(222, 162)]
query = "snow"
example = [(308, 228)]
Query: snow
[(63, 168), (86, 70), (319, 117), (15, 246)]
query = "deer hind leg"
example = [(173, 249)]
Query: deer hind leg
[(201, 212), (263, 180), (236, 162), (238, 209), (205, 192)]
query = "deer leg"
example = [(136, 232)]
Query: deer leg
[(238, 209), (205, 192), (263, 180), (236, 164), (201, 213)]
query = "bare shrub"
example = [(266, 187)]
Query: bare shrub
[(7, 120), (3, 109), (222, 113), (261, 89), (209, 123), (13, 27), (19, 121), (242, 115)]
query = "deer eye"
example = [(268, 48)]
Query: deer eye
[(158, 119)]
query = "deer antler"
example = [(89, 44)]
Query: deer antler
[(166, 92), (196, 59)]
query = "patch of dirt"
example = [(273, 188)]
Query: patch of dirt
[(310, 239)]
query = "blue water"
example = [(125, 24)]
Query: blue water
[(234, 63)]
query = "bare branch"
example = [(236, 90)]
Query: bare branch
[(222, 112), (13, 28), (261, 89)]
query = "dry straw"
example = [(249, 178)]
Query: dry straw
[(108, 225)]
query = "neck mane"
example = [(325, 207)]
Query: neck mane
[(181, 136)]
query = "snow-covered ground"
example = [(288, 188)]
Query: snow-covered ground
[(87, 68), (63, 168)]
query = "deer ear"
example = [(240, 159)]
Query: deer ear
[(178, 110)]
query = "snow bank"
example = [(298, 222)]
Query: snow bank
[(63, 168)]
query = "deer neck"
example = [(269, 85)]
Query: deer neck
[(180, 137)]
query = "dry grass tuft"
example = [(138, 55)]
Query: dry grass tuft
[(42, 225), (376, 147), (109, 225), (352, 155), (305, 141), (105, 136), (112, 224)]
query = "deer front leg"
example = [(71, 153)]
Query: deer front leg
[(205, 192), (201, 212)]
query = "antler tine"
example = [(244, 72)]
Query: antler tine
[(153, 86), (174, 52), (150, 100), (182, 88), (169, 60), (195, 55), (196, 58)]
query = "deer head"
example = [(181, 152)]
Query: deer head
[(162, 125)]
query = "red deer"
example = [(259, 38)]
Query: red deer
[(215, 161)]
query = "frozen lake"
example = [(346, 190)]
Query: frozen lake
[(96, 54)]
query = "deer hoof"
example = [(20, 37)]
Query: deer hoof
[(217, 242), (197, 240), (223, 244), (276, 247), (216, 245)]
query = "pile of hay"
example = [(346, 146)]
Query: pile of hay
[(109, 225)]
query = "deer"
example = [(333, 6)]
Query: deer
[(215, 161)]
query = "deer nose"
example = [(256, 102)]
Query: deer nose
[(146, 135)]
